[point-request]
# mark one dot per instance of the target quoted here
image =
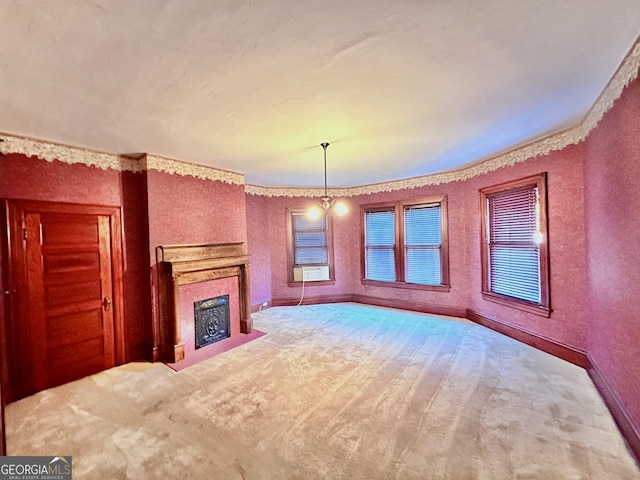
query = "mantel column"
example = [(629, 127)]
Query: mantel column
[(178, 344)]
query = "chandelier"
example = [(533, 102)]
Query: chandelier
[(339, 207)]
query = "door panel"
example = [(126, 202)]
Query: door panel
[(65, 264), (70, 289)]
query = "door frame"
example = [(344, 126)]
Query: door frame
[(13, 254)]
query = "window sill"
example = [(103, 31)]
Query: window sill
[(518, 304), (312, 284), (410, 286)]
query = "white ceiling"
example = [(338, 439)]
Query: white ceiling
[(399, 88)]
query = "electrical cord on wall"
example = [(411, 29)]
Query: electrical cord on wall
[(300, 302)]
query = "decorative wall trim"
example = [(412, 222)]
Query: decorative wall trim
[(629, 431), (557, 349), (66, 154), (176, 167), (108, 161), (626, 73)]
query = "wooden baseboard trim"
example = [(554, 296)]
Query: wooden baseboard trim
[(629, 430), (288, 302), (557, 349), (408, 305)]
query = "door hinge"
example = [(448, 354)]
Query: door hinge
[(24, 233)]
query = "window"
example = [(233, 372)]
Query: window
[(380, 244), (309, 240), (309, 243), (514, 244), (405, 244)]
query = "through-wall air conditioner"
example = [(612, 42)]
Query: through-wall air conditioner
[(311, 274)]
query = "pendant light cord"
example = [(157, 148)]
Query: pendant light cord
[(324, 146)]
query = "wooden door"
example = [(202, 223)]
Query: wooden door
[(63, 324)]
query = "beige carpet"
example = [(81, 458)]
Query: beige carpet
[(340, 391)]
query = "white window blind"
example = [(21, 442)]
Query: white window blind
[(379, 243), (309, 240), (514, 255), (422, 244)]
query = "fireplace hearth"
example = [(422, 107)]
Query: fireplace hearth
[(211, 320)]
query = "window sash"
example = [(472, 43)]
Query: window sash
[(422, 244), (380, 245)]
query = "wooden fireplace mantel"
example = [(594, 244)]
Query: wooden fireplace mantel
[(186, 264)]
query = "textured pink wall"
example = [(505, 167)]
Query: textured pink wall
[(567, 246), (187, 210), (34, 179), (29, 178), (278, 246), (258, 247), (202, 291), (612, 190)]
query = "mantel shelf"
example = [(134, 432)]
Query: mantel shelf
[(178, 268)]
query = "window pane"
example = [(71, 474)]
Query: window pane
[(380, 228), (515, 272), (423, 265), (310, 239), (311, 256), (422, 225), (513, 216), (380, 264)]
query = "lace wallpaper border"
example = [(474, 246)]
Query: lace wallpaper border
[(105, 161)]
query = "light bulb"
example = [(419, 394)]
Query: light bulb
[(313, 213), (341, 208)]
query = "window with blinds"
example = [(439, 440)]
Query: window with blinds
[(422, 242), (380, 244), (405, 244), (514, 241), (309, 240)]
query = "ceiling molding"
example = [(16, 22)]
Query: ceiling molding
[(66, 154), (626, 73), (108, 161), (176, 167)]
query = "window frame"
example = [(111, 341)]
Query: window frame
[(291, 254), (399, 247), (539, 181)]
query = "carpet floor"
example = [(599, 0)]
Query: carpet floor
[(339, 391)]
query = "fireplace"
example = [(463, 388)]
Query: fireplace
[(184, 266), (211, 320)]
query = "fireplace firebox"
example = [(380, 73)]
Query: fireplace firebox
[(211, 320)]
